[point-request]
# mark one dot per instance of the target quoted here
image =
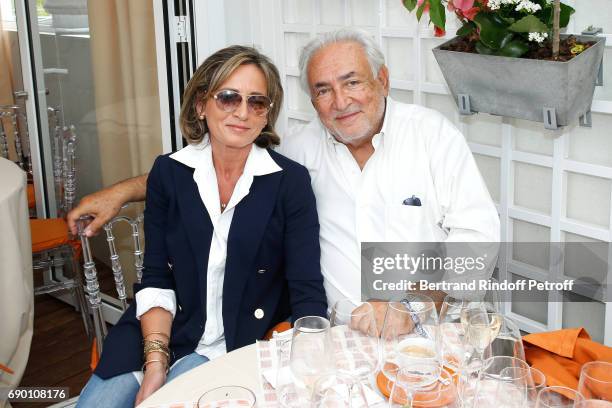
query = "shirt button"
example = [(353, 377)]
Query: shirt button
[(261, 271), (259, 314)]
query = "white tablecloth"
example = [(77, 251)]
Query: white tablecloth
[(16, 287), (236, 368)]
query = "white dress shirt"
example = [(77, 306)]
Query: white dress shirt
[(418, 152), (199, 157)]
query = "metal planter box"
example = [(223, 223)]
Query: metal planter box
[(556, 93)]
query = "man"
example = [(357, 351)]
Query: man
[(381, 170)]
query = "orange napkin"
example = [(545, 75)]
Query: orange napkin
[(560, 354)]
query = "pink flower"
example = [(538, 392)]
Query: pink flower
[(439, 32), (462, 5), (426, 9)]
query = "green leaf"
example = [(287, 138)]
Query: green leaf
[(564, 16), (529, 24), (420, 10), (483, 49), (409, 4), (437, 15), (515, 48), (466, 29), (493, 32)]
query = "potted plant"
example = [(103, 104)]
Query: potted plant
[(509, 59)]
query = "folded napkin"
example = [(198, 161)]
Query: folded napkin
[(560, 354)]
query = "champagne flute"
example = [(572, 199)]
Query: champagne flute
[(311, 350), (596, 381), (410, 338), (354, 327), (558, 397), (482, 328)]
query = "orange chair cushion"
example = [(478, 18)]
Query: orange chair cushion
[(31, 196), (48, 233), (279, 328)]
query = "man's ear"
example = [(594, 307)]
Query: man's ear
[(383, 78)]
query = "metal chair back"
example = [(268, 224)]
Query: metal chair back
[(92, 284)]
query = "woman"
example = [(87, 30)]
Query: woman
[(232, 237)]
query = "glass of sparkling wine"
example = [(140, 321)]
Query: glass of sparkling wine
[(227, 396), (482, 329)]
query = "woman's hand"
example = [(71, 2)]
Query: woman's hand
[(154, 378)]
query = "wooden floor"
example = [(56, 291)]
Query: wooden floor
[(60, 351)]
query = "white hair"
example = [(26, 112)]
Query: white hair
[(376, 59)]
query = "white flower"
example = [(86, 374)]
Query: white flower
[(528, 6), (538, 37)]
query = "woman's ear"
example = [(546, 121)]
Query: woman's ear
[(200, 110)]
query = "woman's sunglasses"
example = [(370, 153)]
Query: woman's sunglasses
[(228, 101)]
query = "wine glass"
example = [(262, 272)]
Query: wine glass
[(442, 393), (337, 391), (288, 394), (535, 385), (410, 338), (227, 396), (454, 315), (596, 381), (558, 397), (482, 328), (500, 385), (311, 350), (354, 328)]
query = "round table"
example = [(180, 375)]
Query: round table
[(16, 286), (236, 368)]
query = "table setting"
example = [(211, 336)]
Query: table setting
[(466, 355)]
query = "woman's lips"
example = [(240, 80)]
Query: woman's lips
[(238, 128)]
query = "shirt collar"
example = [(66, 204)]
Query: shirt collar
[(199, 156), (376, 139)]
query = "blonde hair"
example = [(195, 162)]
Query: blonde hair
[(209, 77)]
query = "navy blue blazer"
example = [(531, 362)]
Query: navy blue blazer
[(275, 228)]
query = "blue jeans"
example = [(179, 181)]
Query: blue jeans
[(120, 391)]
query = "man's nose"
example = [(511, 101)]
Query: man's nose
[(341, 99)]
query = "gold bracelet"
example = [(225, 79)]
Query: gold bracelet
[(155, 346), (144, 366), (157, 332)]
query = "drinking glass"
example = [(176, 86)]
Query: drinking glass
[(537, 383), (311, 350), (227, 396), (289, 395), (454, 315), (500, 385), (354, 330), (442, 393), (593, 404), (596, 381), (410, 338), (338, 391), (482, 328), (558, 397)]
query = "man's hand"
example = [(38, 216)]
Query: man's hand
[(103, 205), (396, 323), (154, 378)]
